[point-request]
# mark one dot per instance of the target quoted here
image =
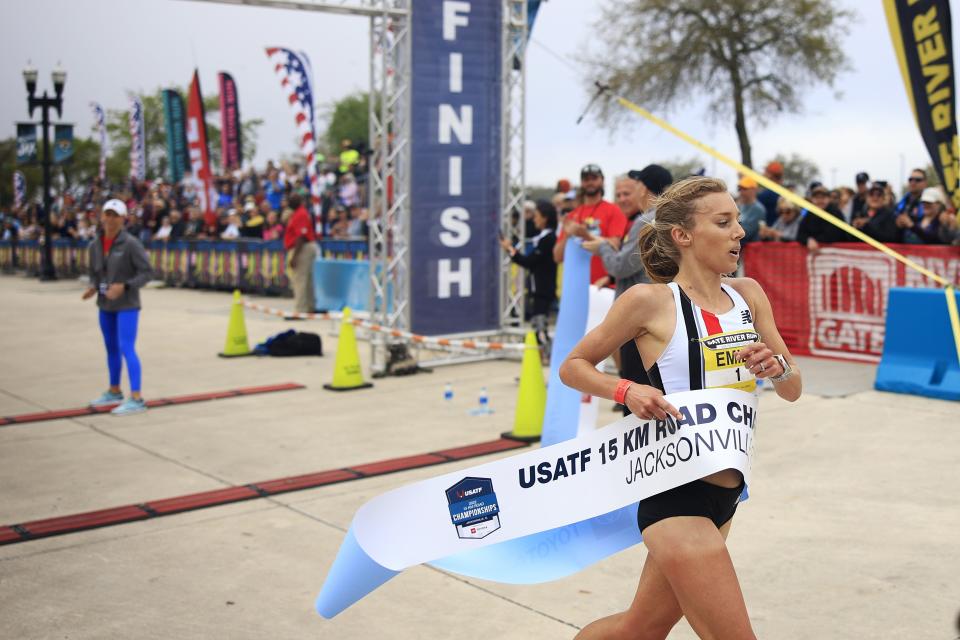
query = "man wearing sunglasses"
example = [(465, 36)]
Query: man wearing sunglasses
[(910, 207)]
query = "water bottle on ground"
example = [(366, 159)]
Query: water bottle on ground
[(483, 404), (448, 392)]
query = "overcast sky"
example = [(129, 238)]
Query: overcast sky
[(109, 47)]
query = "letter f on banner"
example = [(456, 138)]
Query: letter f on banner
[(453, 18)]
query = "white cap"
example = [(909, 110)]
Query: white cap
[(933, 194), (117, 206)]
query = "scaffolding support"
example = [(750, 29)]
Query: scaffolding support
[(512, 155)]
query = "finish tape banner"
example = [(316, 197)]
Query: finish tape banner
[(494, 521)]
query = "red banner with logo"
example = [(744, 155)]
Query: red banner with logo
[(199, 152), (230, 140), (834, 302)]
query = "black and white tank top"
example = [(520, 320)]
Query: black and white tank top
[(700, 355)]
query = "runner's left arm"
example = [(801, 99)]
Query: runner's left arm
[(771, 342)]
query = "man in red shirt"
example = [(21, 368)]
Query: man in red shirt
[(300, 243), (594, 218)]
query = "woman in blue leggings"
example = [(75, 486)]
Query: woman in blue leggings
[(119, 266)]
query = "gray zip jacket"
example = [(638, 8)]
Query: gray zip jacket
[(624, 263), (127, 264)]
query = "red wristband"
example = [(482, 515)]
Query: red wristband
[(620, 395)]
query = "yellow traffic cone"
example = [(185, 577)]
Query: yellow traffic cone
[(236, 344), (347, 374), (531, 396)]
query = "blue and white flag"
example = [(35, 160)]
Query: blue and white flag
[(19, 189), (99, 121), (138, 149)]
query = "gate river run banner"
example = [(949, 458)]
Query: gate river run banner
[(923, 39), (543, 514)]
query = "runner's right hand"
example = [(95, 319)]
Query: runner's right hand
[(648, 403)]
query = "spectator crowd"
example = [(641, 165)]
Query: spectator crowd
[(249, 204)]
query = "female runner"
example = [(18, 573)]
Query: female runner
[(693, 242), (119, 267)]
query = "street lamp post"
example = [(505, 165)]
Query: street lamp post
[(45, 103)]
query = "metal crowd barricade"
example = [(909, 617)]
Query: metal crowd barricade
[(253, 266)]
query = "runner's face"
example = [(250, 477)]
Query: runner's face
[(717, 233)]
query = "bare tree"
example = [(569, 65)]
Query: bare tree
[(750, 58)]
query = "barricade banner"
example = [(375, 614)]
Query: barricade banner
[(834, 302), (492, 521), (250, 266)]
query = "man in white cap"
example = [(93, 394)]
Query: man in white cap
[(119, 266)]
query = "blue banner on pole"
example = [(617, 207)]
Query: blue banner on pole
[(455, 167), (62, 143)]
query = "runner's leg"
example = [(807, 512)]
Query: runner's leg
[(692, 555)]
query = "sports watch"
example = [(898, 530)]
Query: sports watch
[(787, 369)]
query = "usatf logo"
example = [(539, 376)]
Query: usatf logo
[(848, 298), (473, 507)]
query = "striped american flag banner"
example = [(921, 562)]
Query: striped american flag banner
[(295, 75), (99, 119)]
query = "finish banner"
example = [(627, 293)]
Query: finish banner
[(199, 151), (175, 120), (138, 142), (834, 302), (230, 138), (26, 143), (62, 143), (455, 166), (923, 40), (100, 121), (546, 513)]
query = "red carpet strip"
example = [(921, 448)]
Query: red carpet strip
[(24, 418), (11, 534)]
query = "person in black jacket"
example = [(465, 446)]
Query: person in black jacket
[(539, 262), (814, 230), (876, 219)]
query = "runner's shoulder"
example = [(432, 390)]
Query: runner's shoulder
[(749, 288), (647, 296)]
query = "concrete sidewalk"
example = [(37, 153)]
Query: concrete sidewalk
[(851, 530)]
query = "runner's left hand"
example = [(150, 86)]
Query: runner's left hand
[(759, 360)]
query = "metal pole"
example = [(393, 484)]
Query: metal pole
[(47, 272)]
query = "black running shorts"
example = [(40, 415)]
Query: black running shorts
[(697, 498)]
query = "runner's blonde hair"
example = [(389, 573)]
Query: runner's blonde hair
[(675, 208)]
